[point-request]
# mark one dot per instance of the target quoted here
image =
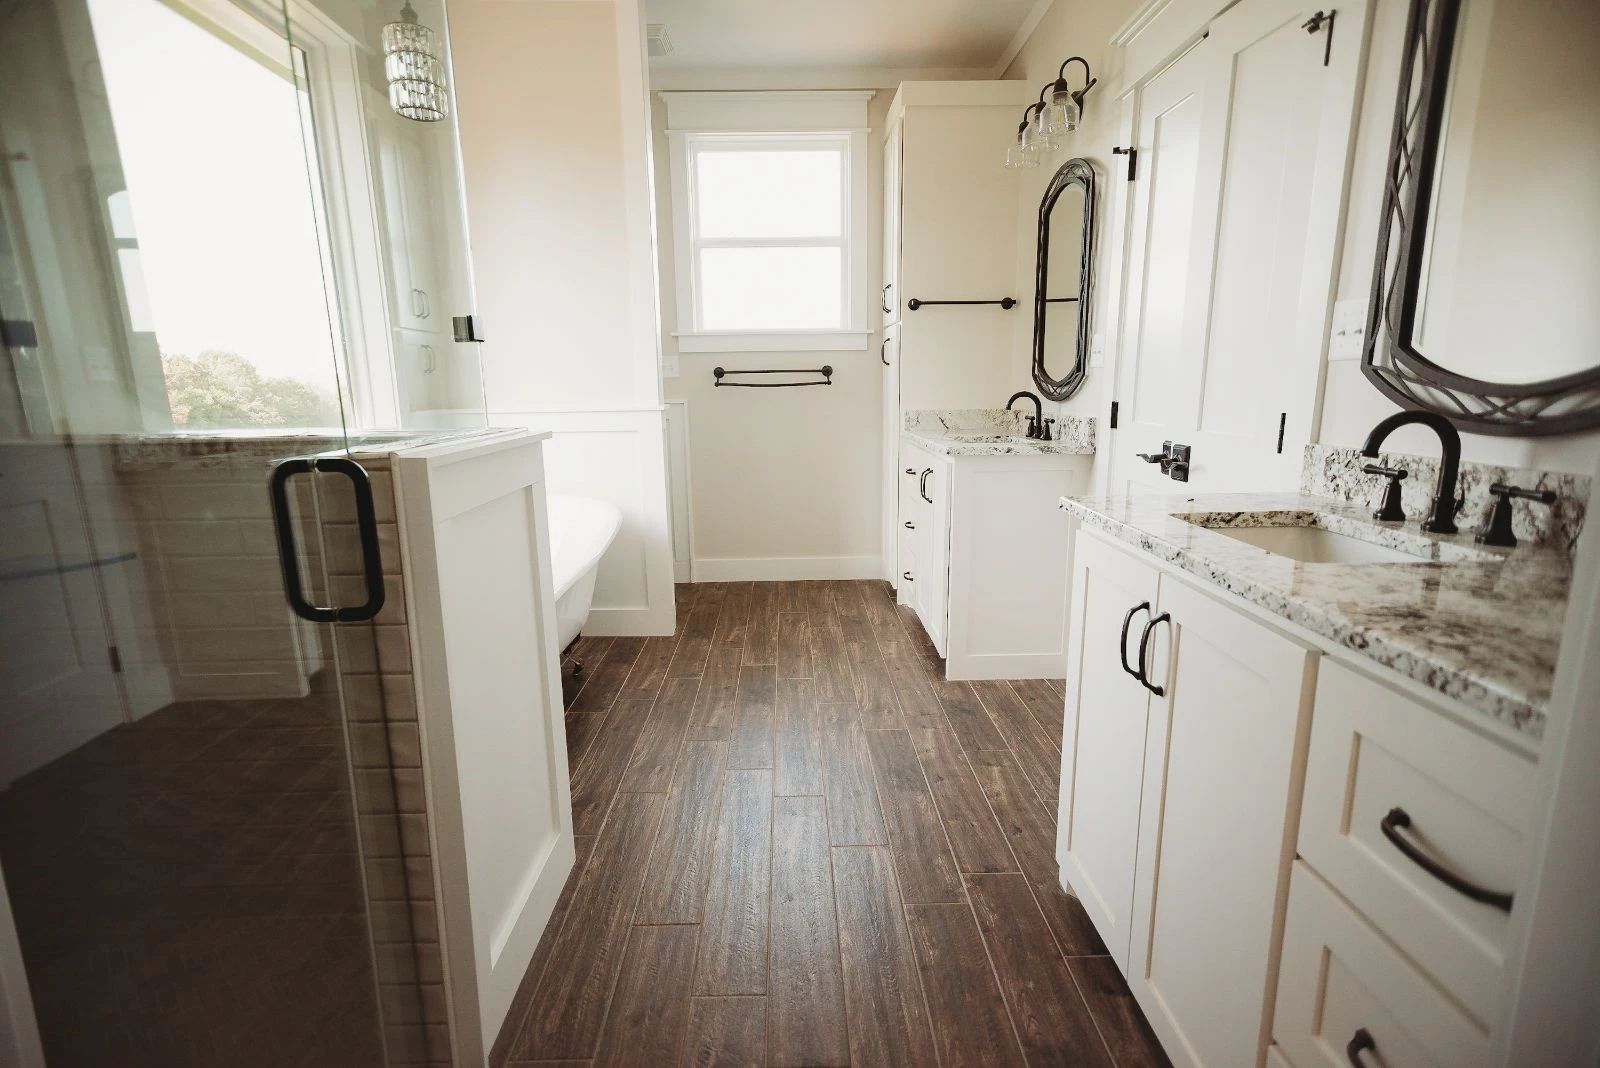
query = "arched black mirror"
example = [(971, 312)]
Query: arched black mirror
[(1062, 286)]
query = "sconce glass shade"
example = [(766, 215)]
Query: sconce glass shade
[(1061, 115), (1042, 135), (413, 63), (1030, 147)]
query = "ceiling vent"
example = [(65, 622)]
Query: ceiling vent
[(658, 40)]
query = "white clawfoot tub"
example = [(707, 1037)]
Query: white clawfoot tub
[(581, 529)]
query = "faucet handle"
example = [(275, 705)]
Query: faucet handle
[(1033, 427), (1044, 433), (1497, 531), (1390, 511)]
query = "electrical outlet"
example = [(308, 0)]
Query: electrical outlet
[(1097, 349), (1349, 329)]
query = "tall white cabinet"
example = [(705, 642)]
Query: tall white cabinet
[(949, 233)]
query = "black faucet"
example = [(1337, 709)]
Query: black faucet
[(1444, 496), (1037, 426)]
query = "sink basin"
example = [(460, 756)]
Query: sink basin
[(1314, 545)]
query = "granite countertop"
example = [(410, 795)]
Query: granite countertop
[(994, 432), (1480, 626)]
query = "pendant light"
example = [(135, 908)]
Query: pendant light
[(413, 62)]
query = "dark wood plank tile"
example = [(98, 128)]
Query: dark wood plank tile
[(591, 647), (874, 690), (733, 933), (675, 890), (581, 733), (816, 598), (794, 646), (750, 743), (595, 780), (1032, 834), (523, 998), (684, 594), (733, 625), (650, 1009), (761, 644), (606, 676), (726, 1032), (716, 705), (649, 671), (878, 599), (912, 627), (1121, 1023), (694, 639), (569, 1003), (830, 664), (851, 611), (970, 1021), (922, 860), (797, 759), (1050, 1015), (854, 815), (655, 755), (1038, 754), (975, 836), (968, 718), (805, 993), (888, 1018), (791, 597), (919, 705), (1046, 705), (1060, 687)]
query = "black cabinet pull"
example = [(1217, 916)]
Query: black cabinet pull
[(366, 527), (922, 486), (886, 309), (1359, 1043), (907, 576), (1397, 818), (1122, 643), (910, 525), (883, 349), (1144, 650)]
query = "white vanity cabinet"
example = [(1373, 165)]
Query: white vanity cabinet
[(987, 565)]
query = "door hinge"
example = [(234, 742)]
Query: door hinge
[(1317, 22), (1113, 423), (1283, 421), (114, 655), (1133, 160)]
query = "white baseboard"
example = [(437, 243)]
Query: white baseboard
[(784, 568), (960, 667), (631, 622)]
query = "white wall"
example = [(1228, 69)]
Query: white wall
[(556, 156), (784, 482)]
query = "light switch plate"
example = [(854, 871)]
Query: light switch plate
[(1349, 329)]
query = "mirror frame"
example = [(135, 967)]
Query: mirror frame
[(1079, 172), (1390, 359)]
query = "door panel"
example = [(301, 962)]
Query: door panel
[(1103, 750)]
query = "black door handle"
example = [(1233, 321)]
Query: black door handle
[(1397, 818), (366, 528), (1144, 651), (1122, 643)]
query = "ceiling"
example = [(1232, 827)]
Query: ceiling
[(796, 35)]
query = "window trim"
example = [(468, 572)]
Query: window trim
[(853, 335)]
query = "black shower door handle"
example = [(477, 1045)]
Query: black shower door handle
[(366, 527)]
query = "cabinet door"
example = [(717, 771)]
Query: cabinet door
[(1216, 826), (1102, 751), (889, 295), (933, 530), (908, 478), (893, 477)]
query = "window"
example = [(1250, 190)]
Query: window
[(769, 226)]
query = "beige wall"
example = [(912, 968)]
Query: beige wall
[(780, 474)]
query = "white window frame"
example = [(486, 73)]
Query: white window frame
[(769, 122)]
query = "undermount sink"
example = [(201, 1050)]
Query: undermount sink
[(1311, 538)]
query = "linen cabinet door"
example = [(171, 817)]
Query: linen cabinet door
[(1217, 824), (1103, 747)]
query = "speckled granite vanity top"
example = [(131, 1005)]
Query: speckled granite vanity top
[(1481, 626), (994, 432)]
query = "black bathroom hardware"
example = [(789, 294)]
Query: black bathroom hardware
[(1360, 1042), (366, 527), (884, 303), (1122, 643), (922, 485), (1044, 432), (1034, 420), (1174, 460), (1005, 302), (883, 350), (1390, 511), (1314, 24), (826, 371), (1133, 160), (1391, 825), (1445, 504), (1497, 531), (1144, 653)]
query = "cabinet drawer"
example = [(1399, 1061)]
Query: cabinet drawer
[(1458, 799), (1341, 986)]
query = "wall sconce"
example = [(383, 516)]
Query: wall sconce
[(1044, 122), (413, 62)]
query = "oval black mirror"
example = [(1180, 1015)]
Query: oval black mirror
[(1063, 283)]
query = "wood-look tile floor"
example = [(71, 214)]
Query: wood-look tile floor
[(799, 845)]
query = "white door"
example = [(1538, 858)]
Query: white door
[(477, 560), (1103, 750), (1215, 839), (1237, 342)]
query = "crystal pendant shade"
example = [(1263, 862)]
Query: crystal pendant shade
[(414, 66)]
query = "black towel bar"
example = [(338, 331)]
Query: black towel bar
[(826, 371), (1005, 302)]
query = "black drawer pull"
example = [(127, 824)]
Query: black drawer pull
[(1144, 648), (1122, 643), (1359, 1043), (910, 525), (1398, 818), (883, 351), (907, 576)]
